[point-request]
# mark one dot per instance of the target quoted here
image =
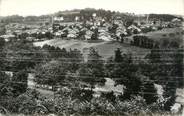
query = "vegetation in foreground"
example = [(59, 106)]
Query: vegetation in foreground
[(68, 75)]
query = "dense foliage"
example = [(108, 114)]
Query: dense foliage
[(73, 78)]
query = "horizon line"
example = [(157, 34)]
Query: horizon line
[(131, 13)]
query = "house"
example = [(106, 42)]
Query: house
[(76, 30), (89, 23), (118, 22), (105, 36), (57, 19), (102, 29), (84, 29), (7, 37), (93, 27), (30, 38), (72, 33), (58, 33), (176, 22), (106, 25), (134, 28), (121, 30)]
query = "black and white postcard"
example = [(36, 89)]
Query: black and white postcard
[(91, 58)]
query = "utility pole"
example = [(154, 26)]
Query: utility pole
[(147, 19), (52, 19)]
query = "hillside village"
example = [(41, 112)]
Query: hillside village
[(73, 25), (91, 62)]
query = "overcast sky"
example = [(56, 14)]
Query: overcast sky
[(40, 7)]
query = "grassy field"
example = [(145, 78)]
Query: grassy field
[(170, 34), (175, 34), (105, 49)]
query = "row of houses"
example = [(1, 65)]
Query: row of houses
[(25, 31), (96, 28)]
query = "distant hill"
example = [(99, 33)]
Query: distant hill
[(68, 12), (86, 14), (164, 17)]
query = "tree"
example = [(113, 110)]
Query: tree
[(51, 73), (149, 92), (123, 69), (165, 43), (2, 43), (81, 34), (20, 82), (113, 28), (75, 57), (146, 29), (174, 44), (5, 85), (22, 55), (27, 103), (124, 72), (2, 54), (49, 35), (15, 85), (128, 22), (95, 35), (167, 69), (95, 62), (118, 56), (11, 88), (23, 36), (93, 71), (2, 30)]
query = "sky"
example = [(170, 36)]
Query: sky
[(41, 7)]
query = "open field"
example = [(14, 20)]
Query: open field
[(105, 49), (167, 33), (170, 34)]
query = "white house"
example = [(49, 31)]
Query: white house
[(105, 36), (133, 27)]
